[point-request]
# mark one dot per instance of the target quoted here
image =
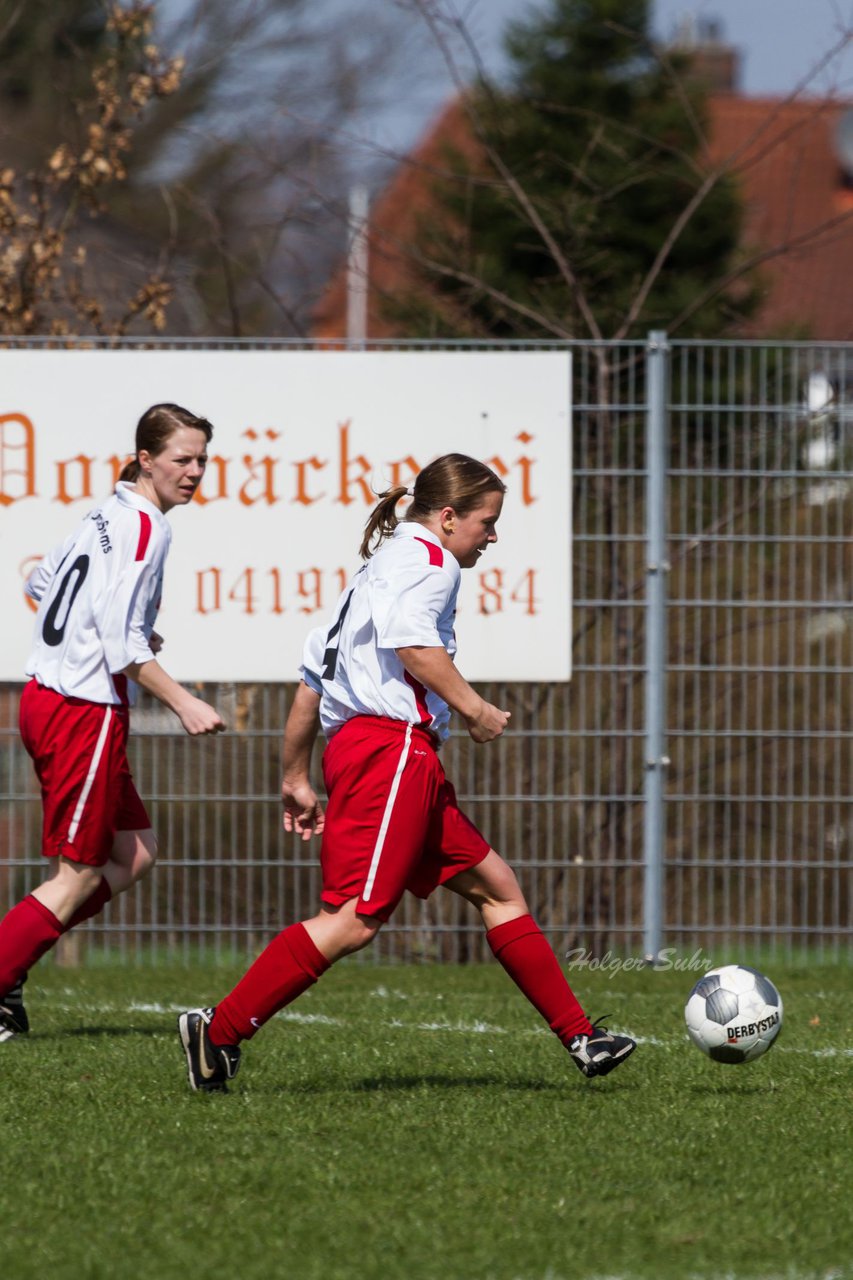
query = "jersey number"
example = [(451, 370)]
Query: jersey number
[(50, 631), (330, 657)]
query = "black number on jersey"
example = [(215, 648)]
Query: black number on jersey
[(50, 631), (330, 657)]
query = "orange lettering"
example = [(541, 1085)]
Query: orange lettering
[(525, 464), (243, 591), (397, 474), (491, 599), (117, 465), (11, 443), (63, 493), (208, 590), (277, 606), (345, 463), (302, 494), (524, 592), (309, 587), (262, 470)]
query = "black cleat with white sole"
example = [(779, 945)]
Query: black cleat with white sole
[(209, 1066), (13, 1015), (599, 1052)]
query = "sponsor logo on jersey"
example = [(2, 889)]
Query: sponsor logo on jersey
[(103, 537)]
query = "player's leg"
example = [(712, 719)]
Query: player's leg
[(370, 846), (79, 754), (132, 856), (292, 963), (132, 843), (288, 966), (32, 927), (519, 944)]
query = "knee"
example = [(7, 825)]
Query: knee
[(141, 857), (338, 931), (362, 932), (147, 850), (495, 886)]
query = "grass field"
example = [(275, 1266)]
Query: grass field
[(420, 1123)]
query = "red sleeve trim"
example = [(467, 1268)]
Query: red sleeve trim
[(144, 535), (436, 555)]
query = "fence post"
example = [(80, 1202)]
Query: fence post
[(657, 362)]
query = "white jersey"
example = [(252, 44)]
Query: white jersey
[(404, 595), (98, 593)]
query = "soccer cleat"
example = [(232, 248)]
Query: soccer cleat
[(209, 1066), (13, 1015), (599, 1051)]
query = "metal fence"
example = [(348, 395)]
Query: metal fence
[(691, 789)]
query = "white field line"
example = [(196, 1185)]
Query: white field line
[(441, 1025)]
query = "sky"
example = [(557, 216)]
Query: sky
[(780, 43), (780, 40)]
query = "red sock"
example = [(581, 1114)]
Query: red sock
[(26, 932), (92, 905), (289, 965), (523, 950)]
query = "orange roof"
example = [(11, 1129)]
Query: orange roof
[(798, 215), (798, 210)]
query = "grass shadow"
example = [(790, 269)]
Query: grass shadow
[(99, 1032), (411, 1083)]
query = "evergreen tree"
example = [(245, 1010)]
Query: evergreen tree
[(588, 161)]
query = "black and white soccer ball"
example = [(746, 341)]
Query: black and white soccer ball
[(734, 1014)]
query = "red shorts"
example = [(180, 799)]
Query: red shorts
[(79, 752), (392, 822)]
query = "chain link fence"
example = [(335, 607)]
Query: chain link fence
[(756, 700)]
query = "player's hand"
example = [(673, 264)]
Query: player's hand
[(303, 813), (198, 717), (488, 723), (155, 642)]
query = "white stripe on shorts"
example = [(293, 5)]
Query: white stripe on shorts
[(90, 776), (386, 817)]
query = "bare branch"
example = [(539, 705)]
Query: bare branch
[(519, 194), (758, 259)]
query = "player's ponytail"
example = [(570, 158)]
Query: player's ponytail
[(154, 429), (382, 521), (453, 480)]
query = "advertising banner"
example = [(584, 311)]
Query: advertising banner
[(303, 443)]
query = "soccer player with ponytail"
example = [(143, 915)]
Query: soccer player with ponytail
[(98, 594), (381, 681)]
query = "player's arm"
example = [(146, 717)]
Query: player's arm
[(303, 812), (120, 616), (195, 715), (41, 576), (434, 668)]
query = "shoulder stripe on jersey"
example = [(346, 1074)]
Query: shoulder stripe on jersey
[(144, 535), (436, 555)]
